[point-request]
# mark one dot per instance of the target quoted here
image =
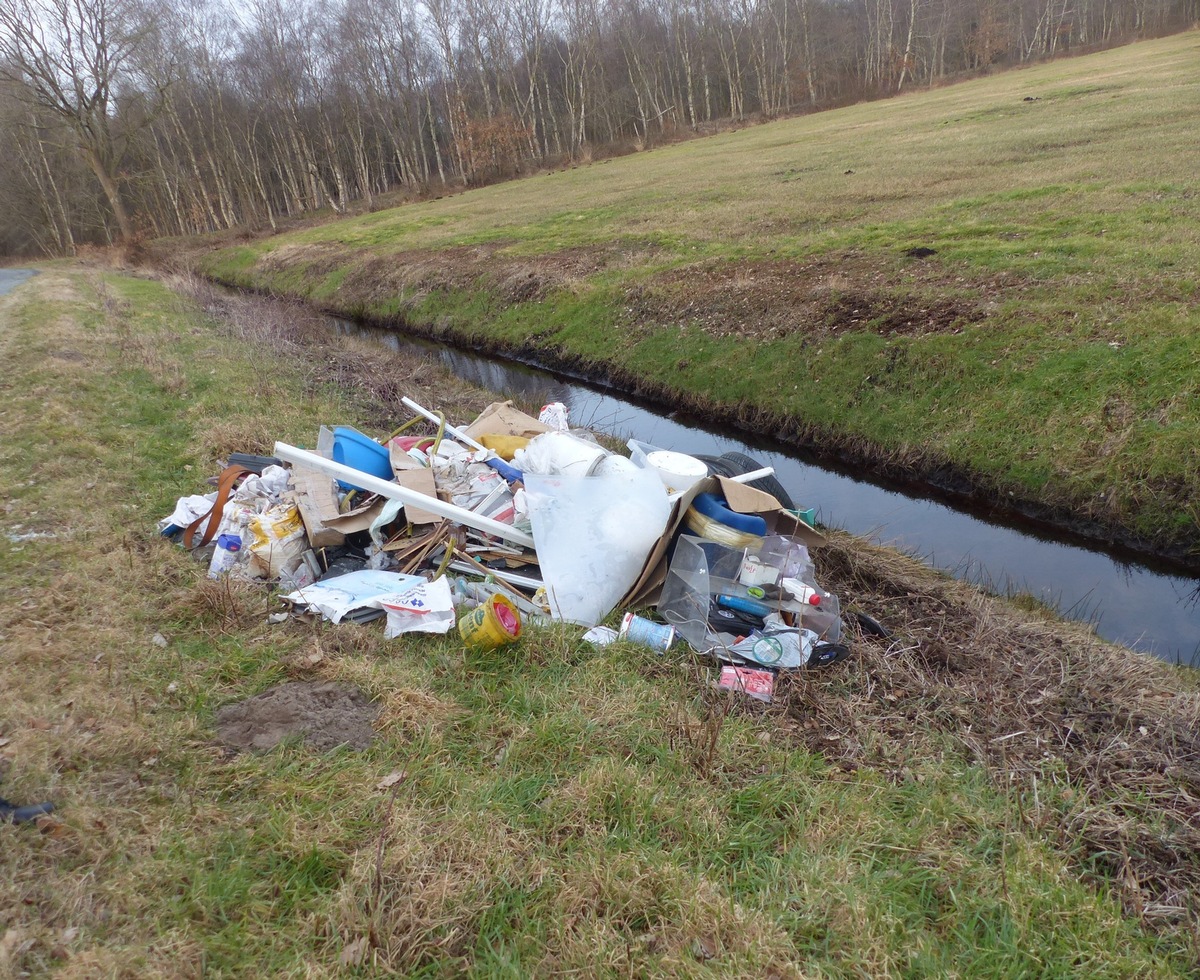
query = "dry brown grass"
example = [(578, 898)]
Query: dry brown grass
[(681, 919), (416, 898), (1047, 707), (372, 379), (222, 606)]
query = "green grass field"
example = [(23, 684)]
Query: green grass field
[(1046, 351), (953, 803)]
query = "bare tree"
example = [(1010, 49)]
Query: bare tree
[(195, 115), (77, 58)]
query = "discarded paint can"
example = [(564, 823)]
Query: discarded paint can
[(647, 632), (491, 624)]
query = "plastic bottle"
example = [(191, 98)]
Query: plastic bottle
[(744, 604), (225, 555), (825, 620)]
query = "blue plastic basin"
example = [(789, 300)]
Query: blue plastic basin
[(351, 448)]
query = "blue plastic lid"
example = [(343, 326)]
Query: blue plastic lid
[(230, 542)]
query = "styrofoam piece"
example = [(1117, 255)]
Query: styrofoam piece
[(393, 491)]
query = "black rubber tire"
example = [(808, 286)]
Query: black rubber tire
[(718, 466), (767, 484), (871, 626)]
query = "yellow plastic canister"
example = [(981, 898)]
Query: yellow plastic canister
[(491, 624)]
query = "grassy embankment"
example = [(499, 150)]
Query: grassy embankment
[(991, 794), (1046, 353)]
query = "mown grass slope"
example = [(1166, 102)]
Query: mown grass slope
[(987, 794), (995, 282)]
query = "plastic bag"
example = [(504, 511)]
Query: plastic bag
[(425, 608), (269, 485), (187, 509), (593, 536), (277, 541), (559, 453), (555, 415), (777, 646)]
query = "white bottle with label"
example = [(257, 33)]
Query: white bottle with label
[(226, 555)]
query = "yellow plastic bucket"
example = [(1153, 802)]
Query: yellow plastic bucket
[(490, 625)]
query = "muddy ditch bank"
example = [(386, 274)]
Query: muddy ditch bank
[(916, 473)]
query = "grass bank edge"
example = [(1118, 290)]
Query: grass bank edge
[(1060, 192)]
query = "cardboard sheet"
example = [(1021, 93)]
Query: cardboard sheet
[(420, 479), (501, 419), (316, 497), (358, 519)]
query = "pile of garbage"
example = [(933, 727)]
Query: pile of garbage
[(517, 520)]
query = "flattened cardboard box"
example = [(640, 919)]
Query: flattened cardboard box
[(413, 476), (743, 500), (501, 419), (316, 498), (317, 502)]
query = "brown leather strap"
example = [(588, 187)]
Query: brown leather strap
[(225, 483)]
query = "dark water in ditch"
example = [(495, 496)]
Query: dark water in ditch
[(1150, 610)]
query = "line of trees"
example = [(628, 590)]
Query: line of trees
[(162, 117)]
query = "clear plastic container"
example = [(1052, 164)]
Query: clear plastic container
[(826, 619), (788, 555), (701, 569), (638, 451)]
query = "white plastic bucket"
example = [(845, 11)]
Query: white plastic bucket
[(678, 471)]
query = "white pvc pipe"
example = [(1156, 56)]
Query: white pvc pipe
[(512, 578), (456, 433), (753, 475), (393, 491)]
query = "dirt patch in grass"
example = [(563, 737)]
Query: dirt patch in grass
[(325, 715), (771, 299), (1051, 711)]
